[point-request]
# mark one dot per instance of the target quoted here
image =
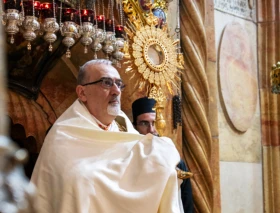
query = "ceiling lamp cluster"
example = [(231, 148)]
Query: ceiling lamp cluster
[(85, 23)]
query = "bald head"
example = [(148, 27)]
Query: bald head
[(93, 64), (99, 88)]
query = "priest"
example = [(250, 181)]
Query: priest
[(144, 117), (93, 160)]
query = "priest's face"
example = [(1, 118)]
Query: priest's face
[(102, 92), (145, 123)]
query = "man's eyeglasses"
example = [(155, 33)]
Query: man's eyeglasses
[(107, 83), (145, 124)]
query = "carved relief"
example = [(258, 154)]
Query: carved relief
[(241, 8), (237, 76)]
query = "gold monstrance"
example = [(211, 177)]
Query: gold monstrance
[(153, 57)]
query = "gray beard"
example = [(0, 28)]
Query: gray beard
[(113, 109)]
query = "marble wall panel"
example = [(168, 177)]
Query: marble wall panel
[(241, 187), (238, 83), (235, 145)]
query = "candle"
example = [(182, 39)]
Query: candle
[(109, 25), (87, 15), (28, 8), (119, 31), (47, 10), (12, 4), (69, 14), (100, 20)]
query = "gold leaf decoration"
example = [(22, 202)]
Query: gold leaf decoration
[(140, 37), (139, 42), (136, 47), (162, 80), (137, 54), (157, 79), (139, 61), (152, 77), (166, 77), (154, 53), (146, 73), (169, 87), (142, 68)]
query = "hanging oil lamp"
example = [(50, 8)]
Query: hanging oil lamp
[(109, 38), (99, 34), (117, 54), (87, 29), (119, 44), (12, 18), (30, 23), (50, 25), (69, 28)]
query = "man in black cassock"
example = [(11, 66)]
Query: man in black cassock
[(143, 121)]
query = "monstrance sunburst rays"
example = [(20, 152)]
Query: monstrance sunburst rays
[(151, 74), (153, 57)]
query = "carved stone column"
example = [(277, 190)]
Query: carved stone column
[(199, 103), (268, 54)]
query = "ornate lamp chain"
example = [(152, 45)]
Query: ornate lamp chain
[(60, 13), (98, 7), (112, 14), (103, 14), (108, 9), (22, 8), (54, 10), (121, 13), (179, 53), (94, 11), (80, 15), (33, 9), (1, 11), (177, 29)]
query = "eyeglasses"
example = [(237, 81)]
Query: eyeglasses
[(107, 83), (146, 124)]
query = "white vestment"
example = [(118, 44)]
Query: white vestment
[(84, 169)]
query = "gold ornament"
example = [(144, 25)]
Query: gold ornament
[(183, 175), (154, 59)]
